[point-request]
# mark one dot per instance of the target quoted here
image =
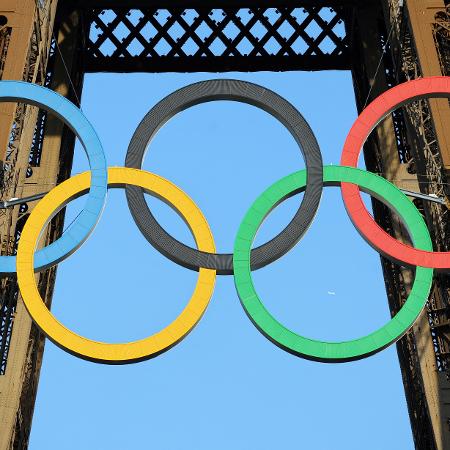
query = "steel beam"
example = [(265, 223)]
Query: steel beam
[(24, 58), (137, 4), (49, 163), (384, 155), (423, 16), (214, 39), (217, 64), (424, 355)]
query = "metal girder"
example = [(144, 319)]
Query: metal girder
[(217, 39), (38, 153), (407, 36), (217, 64), (133, 4)]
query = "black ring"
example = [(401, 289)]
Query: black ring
[(240, 91)]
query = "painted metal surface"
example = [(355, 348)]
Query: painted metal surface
[(99, 351), (84, 224), (380, 188), (239, 91), (365, 123), (310, 348)]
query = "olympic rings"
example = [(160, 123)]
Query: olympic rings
[(84, 224), (243, 259), (309, 348), (366, 122), (240, 91), (99, 351)]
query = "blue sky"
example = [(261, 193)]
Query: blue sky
[(225, 386)]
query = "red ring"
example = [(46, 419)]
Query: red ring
[(364, 124)]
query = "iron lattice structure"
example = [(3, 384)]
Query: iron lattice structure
[(35, 71), (248, 35), (180, 39), (217, 39)]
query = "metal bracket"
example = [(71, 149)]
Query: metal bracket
[(17, 201), (430, 198)]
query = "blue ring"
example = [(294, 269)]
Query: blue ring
[(79, 231)]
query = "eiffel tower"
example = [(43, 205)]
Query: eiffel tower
[(382, 42)]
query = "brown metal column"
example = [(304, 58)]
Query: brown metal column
[(423, 17), (25, 43), (35, 161), (385, 154), (416, 53), (411, 149)]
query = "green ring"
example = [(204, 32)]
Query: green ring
[(314, 349)]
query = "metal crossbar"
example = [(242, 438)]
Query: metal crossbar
[(217, 39)]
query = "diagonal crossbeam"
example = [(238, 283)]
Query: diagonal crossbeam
[(234, 42)]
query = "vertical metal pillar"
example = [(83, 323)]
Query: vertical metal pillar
[(411, 148), (382, 155), (423, 15), (416, 52), (39, 155), (25, 44)]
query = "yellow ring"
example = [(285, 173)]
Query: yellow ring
[(100, 351)]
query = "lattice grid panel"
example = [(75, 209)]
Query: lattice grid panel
[(163, 39)]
